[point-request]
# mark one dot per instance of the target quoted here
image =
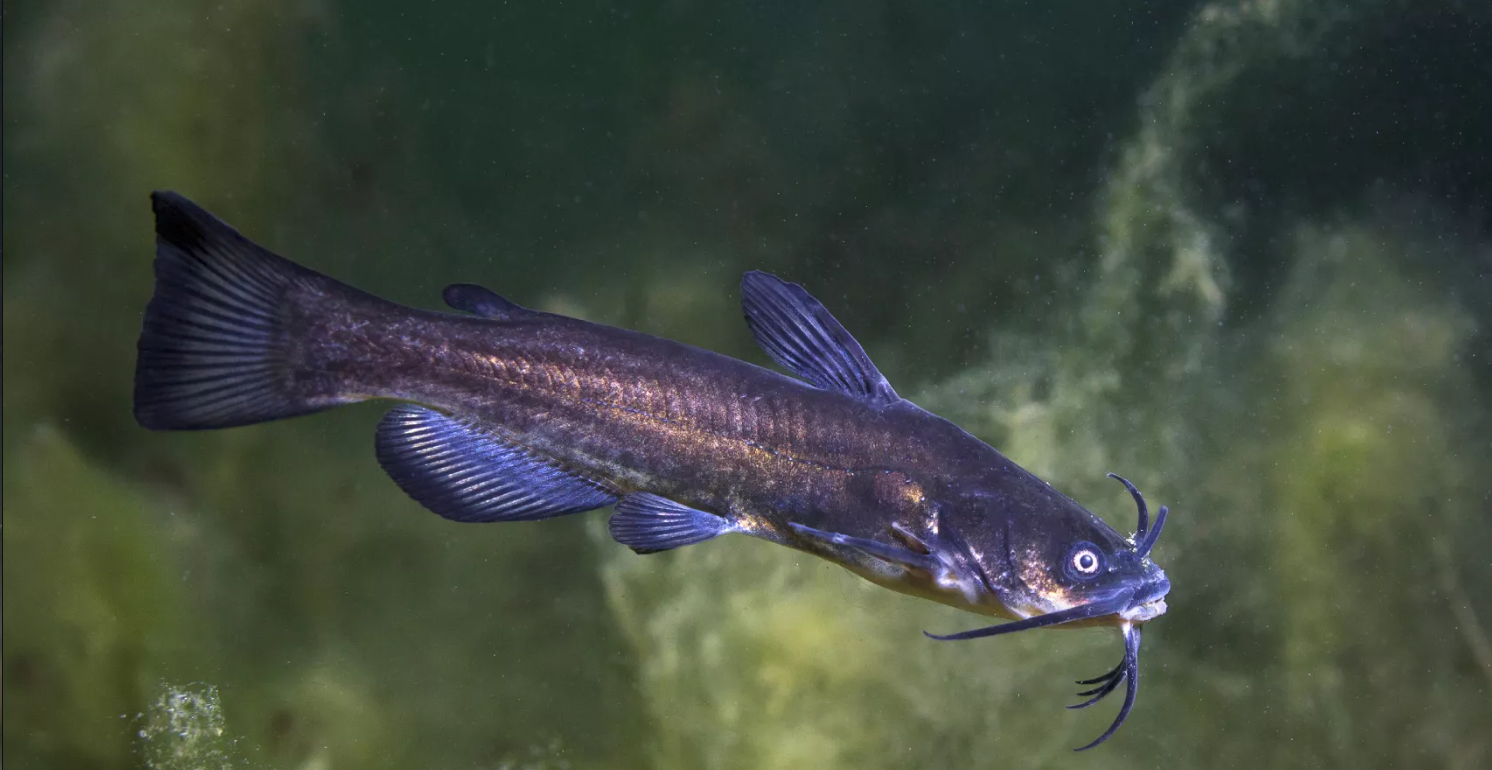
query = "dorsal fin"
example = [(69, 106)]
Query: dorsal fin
[(799, 334), (474, 299)]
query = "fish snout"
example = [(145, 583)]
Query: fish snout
[(1149, 600)]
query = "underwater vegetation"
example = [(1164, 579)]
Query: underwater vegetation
[(1236, 251)]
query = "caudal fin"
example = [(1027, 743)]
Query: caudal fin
[(214, 351)]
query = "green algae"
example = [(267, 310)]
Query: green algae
[(1308, 539), (1323, 456), (1320, 458), (1371, 472), (84, 647), (122, 98), (260, 563), (752, 656)]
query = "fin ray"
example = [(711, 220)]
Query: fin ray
[(478, 300), (212, 349), (888, 553), (464, 473), (799, 333), (647, 523)]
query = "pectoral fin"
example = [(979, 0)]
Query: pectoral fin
[(883, 551), (647, 523)]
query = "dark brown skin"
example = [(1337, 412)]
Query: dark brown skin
[(898, 495), (712, 432)]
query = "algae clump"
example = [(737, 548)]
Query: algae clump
[(83, 648)]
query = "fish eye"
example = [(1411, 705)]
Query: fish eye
[(1084, 561)]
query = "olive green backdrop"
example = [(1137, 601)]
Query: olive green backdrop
[(1238, 251)]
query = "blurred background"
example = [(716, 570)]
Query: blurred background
[(1238, 251)]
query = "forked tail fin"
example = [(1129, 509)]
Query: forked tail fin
[(215, 350)]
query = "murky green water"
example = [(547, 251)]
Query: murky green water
[(1239, 251)]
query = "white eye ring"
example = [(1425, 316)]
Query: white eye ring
[(1085, 562)]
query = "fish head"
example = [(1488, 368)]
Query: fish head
[(1050, 562), (1075, 559), (1058, 556), (1095, 572)]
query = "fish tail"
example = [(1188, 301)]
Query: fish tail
[(217, 348)]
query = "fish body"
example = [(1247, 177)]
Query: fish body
[(511, 414)]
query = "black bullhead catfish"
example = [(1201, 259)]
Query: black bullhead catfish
[(511, 414)]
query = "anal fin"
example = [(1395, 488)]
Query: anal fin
[(465, 473), (647, 523)]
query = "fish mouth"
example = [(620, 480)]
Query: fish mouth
[(1149, 602), (1142, 613)]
